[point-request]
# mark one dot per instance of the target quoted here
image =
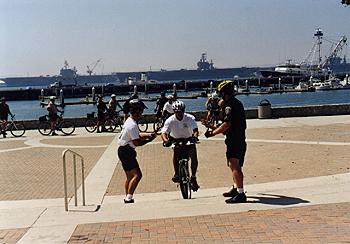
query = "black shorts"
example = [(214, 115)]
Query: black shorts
[(127, 156), (236, 150)]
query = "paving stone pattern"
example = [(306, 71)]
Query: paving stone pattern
[(328, 223)]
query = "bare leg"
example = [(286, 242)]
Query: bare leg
[(237, 173), (133, 178)]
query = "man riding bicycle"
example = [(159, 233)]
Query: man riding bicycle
[(181, 126), (4, 112), (112, 105), (212, 106), (52, 108)]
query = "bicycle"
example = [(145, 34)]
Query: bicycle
[(65, 126), (16, 128), (183, 162), (112, 122)]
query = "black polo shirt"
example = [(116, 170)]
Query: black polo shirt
[(234, 113)]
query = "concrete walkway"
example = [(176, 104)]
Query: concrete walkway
[(45, 221)]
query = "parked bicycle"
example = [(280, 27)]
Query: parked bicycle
[(16, 128), (183, 162), (65, 126)]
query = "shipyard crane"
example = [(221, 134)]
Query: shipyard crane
[(334, 53), (89, 71)]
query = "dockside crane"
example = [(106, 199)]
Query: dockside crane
[(334, 53), (90, 70)]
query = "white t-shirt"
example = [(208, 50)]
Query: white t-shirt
[(130, 132), (168, 107), (180, 128)]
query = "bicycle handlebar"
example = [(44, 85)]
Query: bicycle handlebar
[(181, 142)]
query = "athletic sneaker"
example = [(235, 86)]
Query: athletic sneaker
[(129, 201), (231, 193), (176, 179), (239, 198), (194, 184)]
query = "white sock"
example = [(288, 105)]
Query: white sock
[(128, 197), (240, 190)]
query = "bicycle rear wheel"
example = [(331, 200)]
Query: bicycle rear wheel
[(157, 125), (90, 125), (67, 127), (184, 176), (143, 126), (17, 129), (110, 125), (44, 128)]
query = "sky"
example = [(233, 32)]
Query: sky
[(37, 36)]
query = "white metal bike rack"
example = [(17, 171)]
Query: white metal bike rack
[(75, 155)]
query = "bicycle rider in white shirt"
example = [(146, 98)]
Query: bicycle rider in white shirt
[(182, 126)]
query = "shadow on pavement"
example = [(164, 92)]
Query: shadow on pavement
[(277, 199)]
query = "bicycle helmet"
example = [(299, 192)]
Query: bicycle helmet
[(113, 96), (52, 98), (225, 85), (179, 106), (170, 97)]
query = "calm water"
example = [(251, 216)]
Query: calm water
[(27, 110)]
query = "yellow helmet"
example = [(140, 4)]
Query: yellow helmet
[(224, 83)]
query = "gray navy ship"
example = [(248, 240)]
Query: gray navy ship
[(70, 77)]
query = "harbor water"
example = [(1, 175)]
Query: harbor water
[(31, 110)]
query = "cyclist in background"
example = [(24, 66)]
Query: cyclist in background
[(160, 105), (182, 125), (112, 105), (4, 113), (168, 107), (101, 114), (53, 110), (212, 105)]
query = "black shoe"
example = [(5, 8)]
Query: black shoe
[(231, 193), (239, 198), (4, 134), (54, 134), (194, 184), (129, 201), (176, 179)]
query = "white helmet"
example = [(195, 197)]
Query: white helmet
[(113, 95), (52, 98), (170, 97), (179, 106)]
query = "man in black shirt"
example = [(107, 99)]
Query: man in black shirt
[(233, 127), (4, 113)]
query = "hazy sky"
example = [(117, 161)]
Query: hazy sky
[(136, 35)]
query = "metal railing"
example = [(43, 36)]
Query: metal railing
[(75, 155)]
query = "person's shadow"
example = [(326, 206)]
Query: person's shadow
[(273, 199)]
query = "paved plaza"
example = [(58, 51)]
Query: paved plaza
[(297, 178)]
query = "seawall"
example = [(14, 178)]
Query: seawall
[(277, 112)]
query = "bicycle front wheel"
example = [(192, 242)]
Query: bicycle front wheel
[(67, 127), (143, 126), (90, 125), (184, 176), (45, 128), (110, 125), (17, 129)]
